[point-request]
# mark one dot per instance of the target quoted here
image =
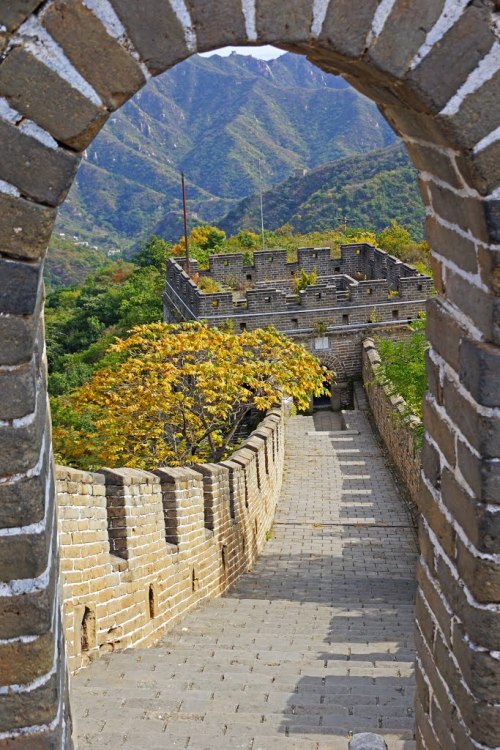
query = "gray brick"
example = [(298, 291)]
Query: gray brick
[(455, 56), (24, 227), (345, 30), (283, 22), (19, 287), (39, 172), (102, 61), (155, 32), (37, 92)]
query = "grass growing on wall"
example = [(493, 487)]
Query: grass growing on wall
[(402, 369)]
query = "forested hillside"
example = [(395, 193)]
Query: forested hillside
[(214, 118), (364, 192)]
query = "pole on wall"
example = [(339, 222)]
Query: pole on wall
[(261, 209), (186, 242)]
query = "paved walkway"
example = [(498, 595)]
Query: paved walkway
[(314, 643)]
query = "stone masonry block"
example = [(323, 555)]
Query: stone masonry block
[(437, 521), (155, 31), (19, 282), (407, 122), (37, 92), (291, 22), (480, 371), (34, 708), (408, 21), (25, 227), (28, 613), (440, 430), (17, 338), (455, 56), (22, 502), (424, 620), (346, 29), (431, 599), (451, 245), (433, 372), (18, 389), (466, 213), (24, 556), (431, 463), (481, 575), (481, 431), (480, 523), (21, 663), (102, 61), (479, 622), (217, 24), (43, 740), (478, 114), (13, 13), (20, 445), (492, 211), (487, 166), (481, 474), (127, 477), (482, 719), (480, 669), (480, 306), (425, 733), (424, 650), (41, 173), (435, 162)]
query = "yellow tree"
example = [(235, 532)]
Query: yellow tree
[(176, 394)]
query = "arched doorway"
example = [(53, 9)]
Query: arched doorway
[(433, 69)]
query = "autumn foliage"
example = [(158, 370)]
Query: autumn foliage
[(176, 394)]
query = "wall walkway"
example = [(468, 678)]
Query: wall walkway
[(315, 642)]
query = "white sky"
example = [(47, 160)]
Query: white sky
[(263, 53)]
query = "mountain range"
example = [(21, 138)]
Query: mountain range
[(360, 191), (219, 119)]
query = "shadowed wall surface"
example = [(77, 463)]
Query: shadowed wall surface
[(433, 69)]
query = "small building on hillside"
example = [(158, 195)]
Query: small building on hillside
[(363, 290)]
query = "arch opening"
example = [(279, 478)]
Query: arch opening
[(66, 66)]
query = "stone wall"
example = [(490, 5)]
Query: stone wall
[(344, 308), (139, 549), (432, 67), (365, 284), (387, 410)]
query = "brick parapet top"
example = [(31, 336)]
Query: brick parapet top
[(376, 268), (174, 474), (68, 474), (125, 477)]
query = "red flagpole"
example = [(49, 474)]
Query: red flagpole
[(188, 269)]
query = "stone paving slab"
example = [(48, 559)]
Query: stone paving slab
[(312, 645)]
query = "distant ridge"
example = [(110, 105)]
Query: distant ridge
[(213, 118), (367, 190)]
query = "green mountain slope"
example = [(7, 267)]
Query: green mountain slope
[(367, 191), (213, 118), (68, 263)]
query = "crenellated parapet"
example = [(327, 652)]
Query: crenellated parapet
[(139, 549), (364, 287)]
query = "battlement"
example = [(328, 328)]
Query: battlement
[(364, 285), (140, 549)]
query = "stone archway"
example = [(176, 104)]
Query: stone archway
[(433, 69)]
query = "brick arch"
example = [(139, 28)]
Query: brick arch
[(433, 69)]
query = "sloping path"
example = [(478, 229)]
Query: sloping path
[(314, 643)]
